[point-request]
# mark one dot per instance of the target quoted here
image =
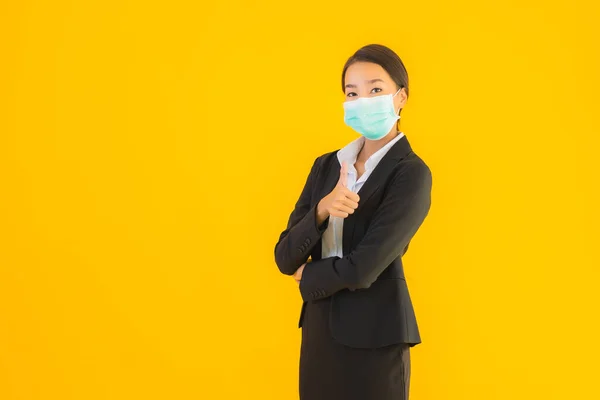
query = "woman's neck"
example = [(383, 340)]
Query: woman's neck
[(370, 147)]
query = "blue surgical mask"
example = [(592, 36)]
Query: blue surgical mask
[(372, 117)]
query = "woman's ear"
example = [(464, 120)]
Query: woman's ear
[(400, 99), (399, 102)]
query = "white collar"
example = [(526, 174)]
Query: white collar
[(349, 153)]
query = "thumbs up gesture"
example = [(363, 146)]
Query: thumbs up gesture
[(341, 201)]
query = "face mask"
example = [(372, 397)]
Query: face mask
[(372, 117)]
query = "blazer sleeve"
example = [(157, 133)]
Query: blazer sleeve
[(396, 220), (302, 232)]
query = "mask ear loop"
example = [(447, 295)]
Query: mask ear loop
[(397, 113)]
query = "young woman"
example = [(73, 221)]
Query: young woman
[(359, 209)]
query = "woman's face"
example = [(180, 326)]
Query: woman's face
[(366, 79)]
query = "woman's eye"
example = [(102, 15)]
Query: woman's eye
[(351, 94), (376, 90)]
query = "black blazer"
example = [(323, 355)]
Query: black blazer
[(370, 304)]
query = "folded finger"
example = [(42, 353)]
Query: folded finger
[(350, 203), (345, 209)]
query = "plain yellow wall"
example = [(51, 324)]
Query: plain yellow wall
[(151, 152)]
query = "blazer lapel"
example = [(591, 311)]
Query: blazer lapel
[(328, 183), (331, 178), (378, 177)]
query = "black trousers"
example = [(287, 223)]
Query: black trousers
[(332, 371)]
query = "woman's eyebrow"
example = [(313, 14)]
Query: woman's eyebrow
[(350, 85)]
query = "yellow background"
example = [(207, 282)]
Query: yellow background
[(151, 152)]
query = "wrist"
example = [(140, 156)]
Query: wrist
[(321, 213)]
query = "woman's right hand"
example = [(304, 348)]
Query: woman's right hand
[(341, 201)]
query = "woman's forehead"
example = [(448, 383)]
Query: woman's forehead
[(366, 72)]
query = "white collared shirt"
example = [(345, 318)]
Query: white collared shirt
[(332, 237)]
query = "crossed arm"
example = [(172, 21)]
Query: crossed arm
[(400, 214), (303, 230)]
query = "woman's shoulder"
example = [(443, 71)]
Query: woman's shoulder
[(326, 158), (413, 160), (413, 168)]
